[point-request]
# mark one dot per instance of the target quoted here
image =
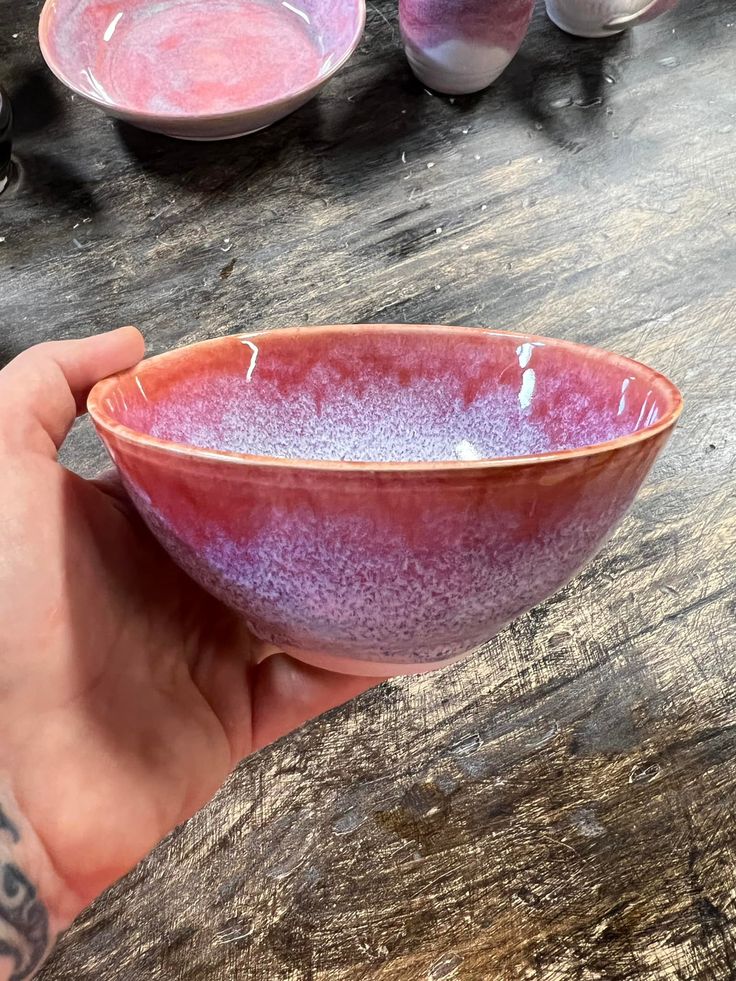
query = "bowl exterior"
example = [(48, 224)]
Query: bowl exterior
[(201, 128), (401, 569)]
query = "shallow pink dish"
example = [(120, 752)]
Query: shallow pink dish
[(383, 499), (199, 69)]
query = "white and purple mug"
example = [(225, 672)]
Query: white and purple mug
[(461, 46), (603, 18)]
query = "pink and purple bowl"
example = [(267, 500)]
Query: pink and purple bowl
[(383, 499), (199, 69)]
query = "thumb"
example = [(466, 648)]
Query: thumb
[(44, 389)]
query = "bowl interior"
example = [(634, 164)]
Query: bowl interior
[(386, 394), (193, 58)]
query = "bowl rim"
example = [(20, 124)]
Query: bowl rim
[(105, 422), (161, 118)]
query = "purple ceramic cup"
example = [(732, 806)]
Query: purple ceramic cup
[(461, 46)]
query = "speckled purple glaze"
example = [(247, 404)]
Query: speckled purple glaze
[(461, 46), (377, 418), (383, 499), (357, 588), (603, 18)]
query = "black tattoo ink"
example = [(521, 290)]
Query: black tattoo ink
[(7, 825), (24, 921)]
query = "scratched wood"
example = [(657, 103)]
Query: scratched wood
[(563, 806)]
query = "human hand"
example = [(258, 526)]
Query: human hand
[(127, 693)]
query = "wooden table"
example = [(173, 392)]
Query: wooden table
[(563, 806)]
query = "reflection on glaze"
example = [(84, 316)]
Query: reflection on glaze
[(649, 412), (96, 88), (524, 352), (253, 359), (295, 10), (622, 401), (528, 384), (464, 450), (107, 36)]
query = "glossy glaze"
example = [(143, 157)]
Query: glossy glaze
[(461, 46), (199, 69), (603, 18), (455, 477)]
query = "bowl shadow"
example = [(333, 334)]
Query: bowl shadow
[(375, 105), (344, 116)]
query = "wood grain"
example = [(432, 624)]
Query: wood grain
[(562, 806)]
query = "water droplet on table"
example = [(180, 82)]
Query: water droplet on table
[(589, 103)]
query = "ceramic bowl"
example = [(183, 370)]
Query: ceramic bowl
[(383, 499), (199, 69), (603, 18), (462, 46)]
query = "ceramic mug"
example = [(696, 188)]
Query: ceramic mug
[(461, 46), (602, 18)]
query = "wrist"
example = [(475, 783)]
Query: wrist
[(34, 904)]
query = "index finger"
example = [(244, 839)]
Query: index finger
[(44, 388)]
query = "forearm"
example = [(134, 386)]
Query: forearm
[(29, 896)]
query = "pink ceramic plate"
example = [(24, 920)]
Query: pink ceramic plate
[(199, 69), (383, 499)]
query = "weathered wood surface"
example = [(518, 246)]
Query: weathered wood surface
[(563, 806)]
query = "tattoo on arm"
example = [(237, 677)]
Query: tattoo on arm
[(7, 825), (24, 921)]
